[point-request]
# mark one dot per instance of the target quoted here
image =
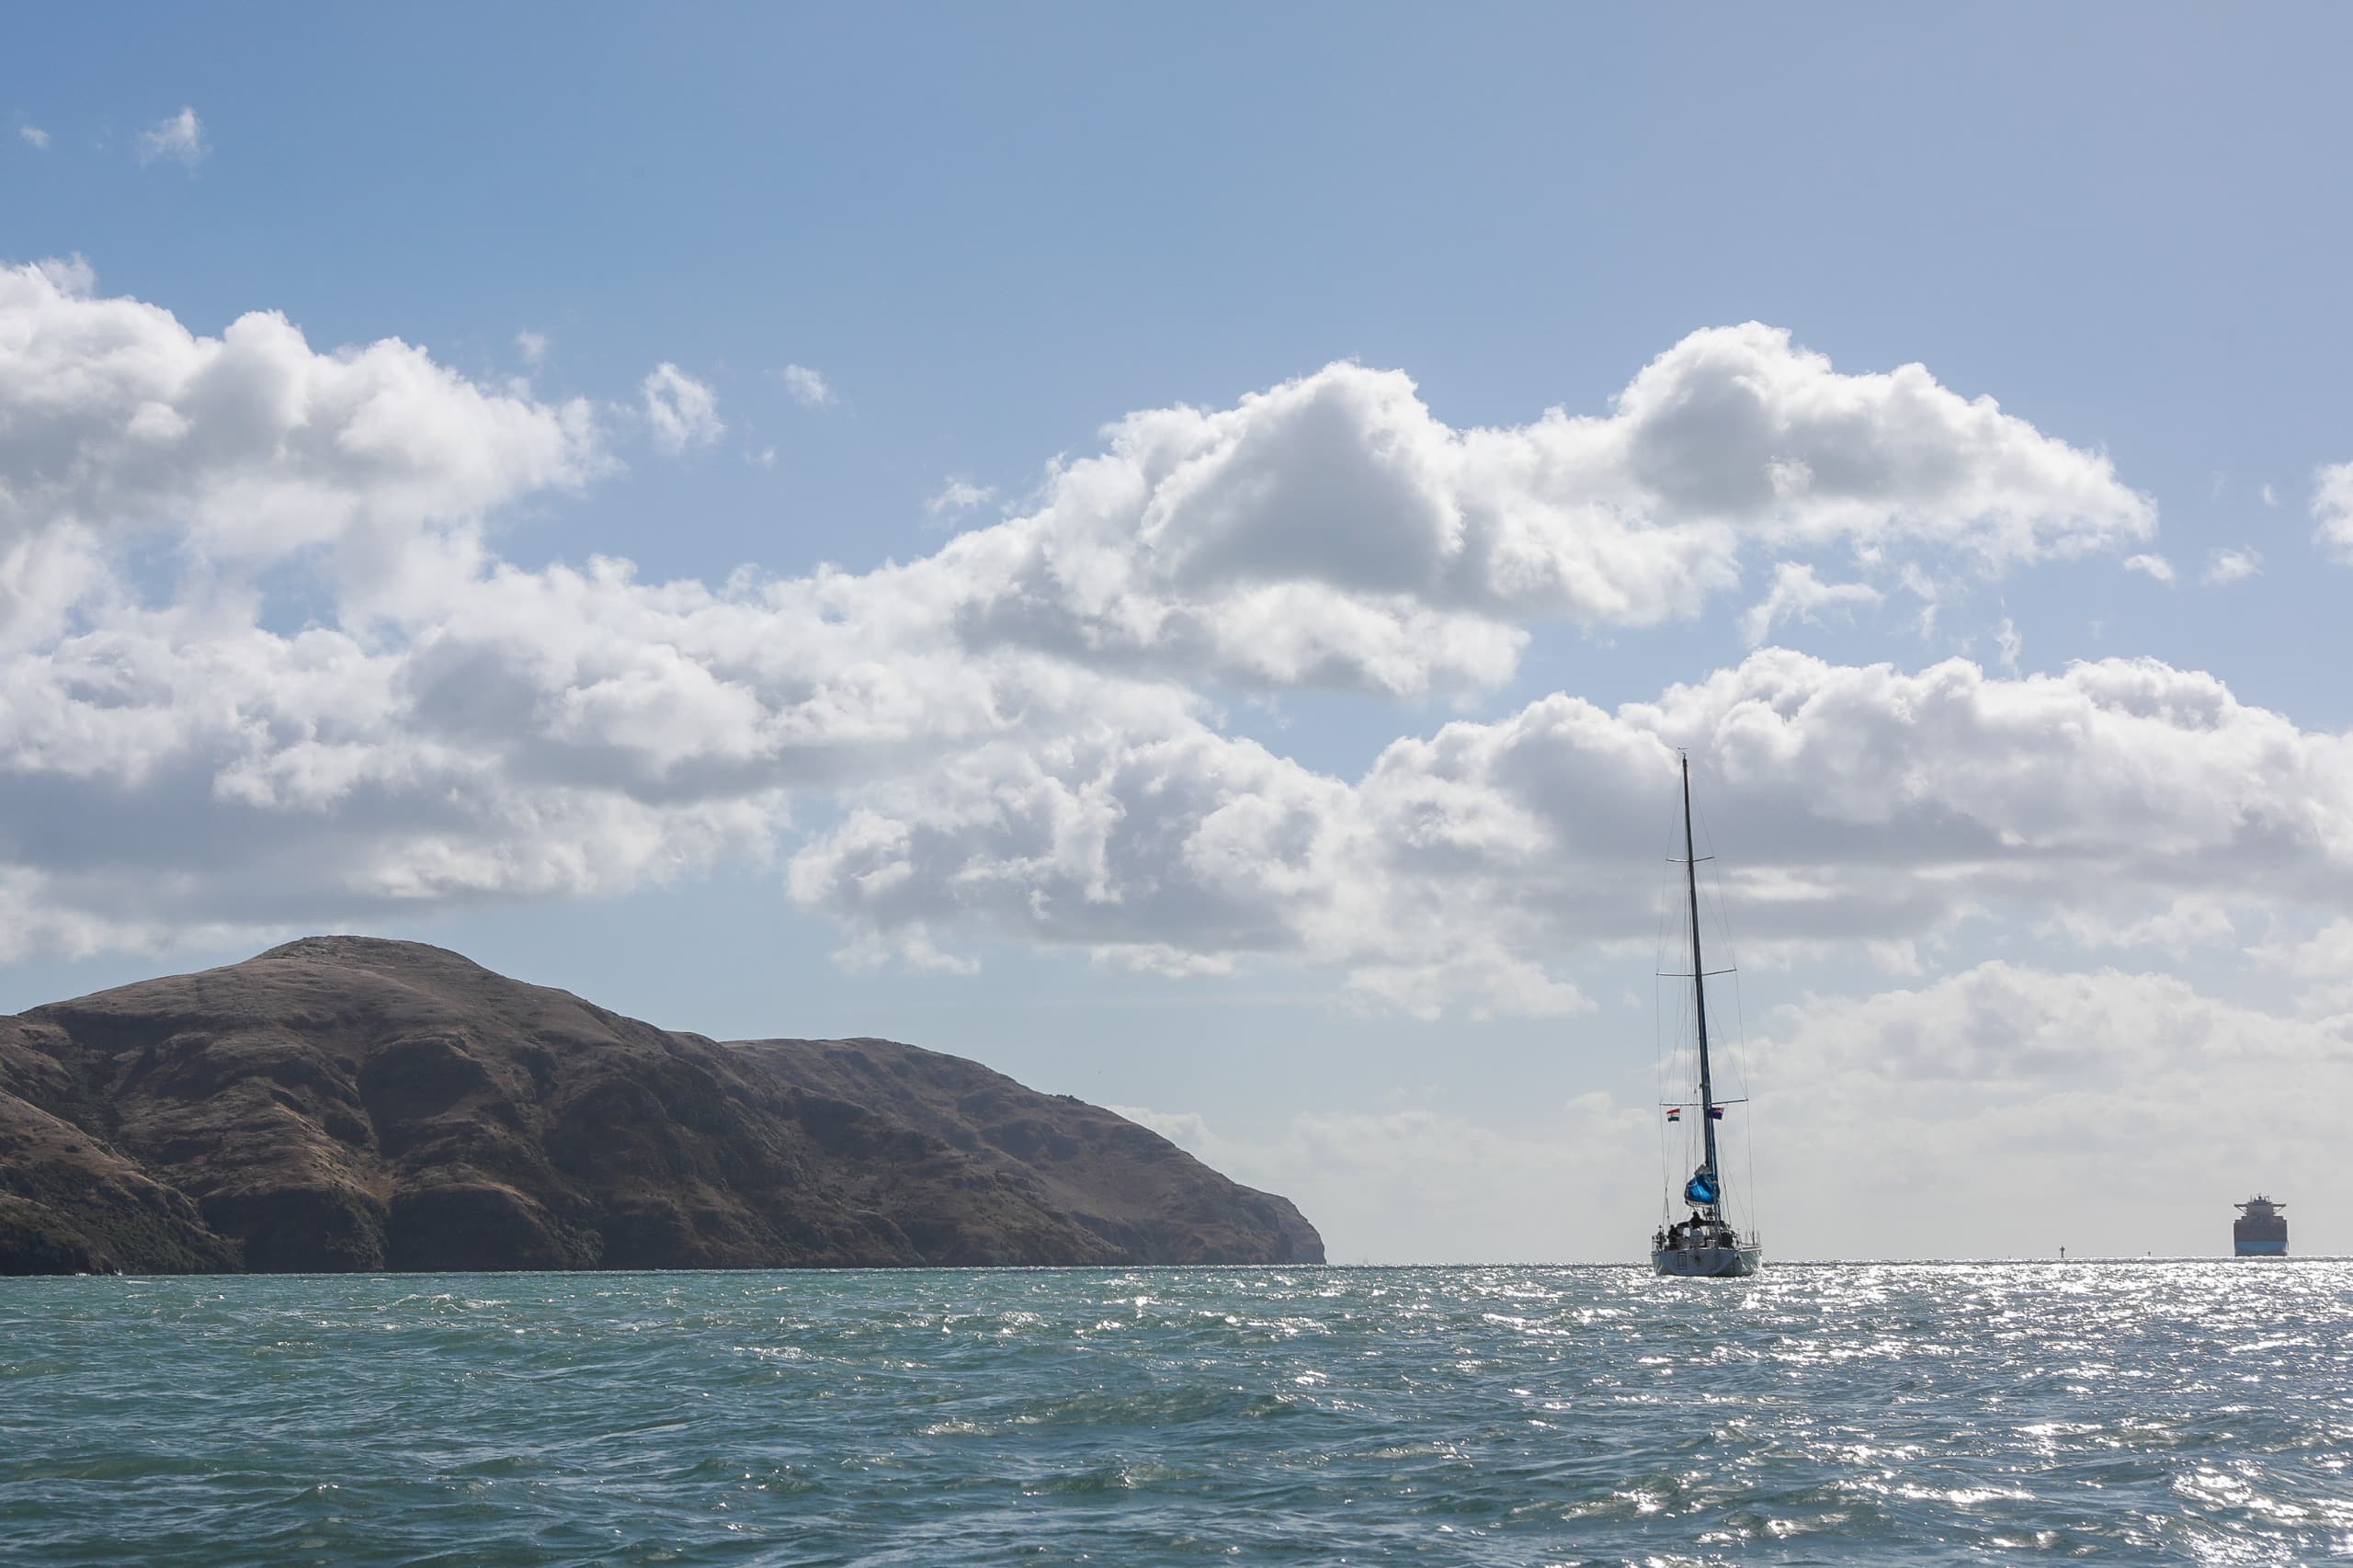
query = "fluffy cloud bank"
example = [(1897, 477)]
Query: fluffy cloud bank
[(1009, 736), (1333, 531), (250, 445), (1870, 803)]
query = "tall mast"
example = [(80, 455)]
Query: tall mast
[(1698, 982)]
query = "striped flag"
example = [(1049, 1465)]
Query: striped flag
[(1675, 1113)]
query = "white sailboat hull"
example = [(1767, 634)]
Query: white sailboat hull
[(1707, 1263)]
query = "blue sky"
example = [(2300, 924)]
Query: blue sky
[(991, 236)]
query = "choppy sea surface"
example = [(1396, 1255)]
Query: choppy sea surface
[(2194, 1412)]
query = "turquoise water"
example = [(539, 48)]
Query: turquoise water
[(2185, 1412)]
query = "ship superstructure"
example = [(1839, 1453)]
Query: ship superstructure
[(2261, 1230)]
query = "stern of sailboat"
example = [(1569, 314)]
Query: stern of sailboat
[(1707, 1263)]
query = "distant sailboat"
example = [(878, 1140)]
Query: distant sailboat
[(1705, 1245)]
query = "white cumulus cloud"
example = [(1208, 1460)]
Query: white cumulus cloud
[(958, 495), (1331, 532), (808, 386), (179, 140), (1798, 594), (682, 411), (2154, 566), (1008, 740), (32, 136), (1871, 803), (113, 416), (2333, 509), (2224, 567)]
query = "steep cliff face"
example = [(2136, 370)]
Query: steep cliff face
[(343, 1102), (1123, 1184), (70, 1201)]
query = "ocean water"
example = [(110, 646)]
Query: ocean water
[(2193, 1412)]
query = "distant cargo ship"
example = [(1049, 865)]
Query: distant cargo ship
[(2261, 1230)]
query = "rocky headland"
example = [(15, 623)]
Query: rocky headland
[(343, 1102)]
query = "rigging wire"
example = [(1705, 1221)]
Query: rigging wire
[(1747, 1126), (1739, 1052), (1658, 1075), (1739, 1033), (1678, 1064), (1661, 1066)]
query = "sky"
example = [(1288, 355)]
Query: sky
[(1175, 553)]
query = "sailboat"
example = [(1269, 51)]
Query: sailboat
[(1705, 1245)]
